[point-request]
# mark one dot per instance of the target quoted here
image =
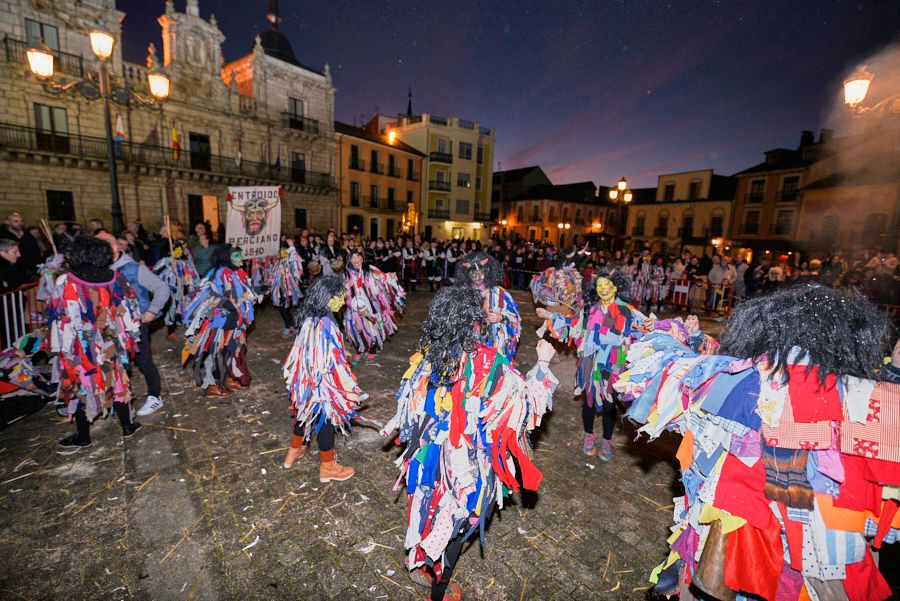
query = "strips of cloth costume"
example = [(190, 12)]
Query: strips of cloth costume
[(17, 368), (180, 274), (601, 336), (375, 300), (284, 277), (795, 477), (459, 445), (504, 334), (94, 330), (217, 318), (557, 287), (320, 383)]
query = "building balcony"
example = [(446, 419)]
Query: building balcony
[(377, 168), (300, 123), (781, 229), (749, 228), (439, 213), (70, 64), (661, 231), (394, 172), (753, 198), (788, 196), (441, 157), (386, 205), (357, 163), (483, 217), (80, 149), (413, 176), (439, 185), (637, 231)]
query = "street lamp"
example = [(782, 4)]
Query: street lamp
[(40, 63), (621, 193), (856, 88)]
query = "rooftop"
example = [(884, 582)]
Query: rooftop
[(358, 132)]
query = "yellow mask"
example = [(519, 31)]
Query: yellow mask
[(606, 290), (336, 302)]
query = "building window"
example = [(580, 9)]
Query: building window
[(669, 191), (465, 151), (478, 183), (640, 221), (444, 146), (462, 206), (717, 224), (751, 223), (464, 180), (410, 198), (295, 107), (392, 166), (391, 199), (565, 213), (356, 162), (373, 201), (662, 224), (354, 194), (552, 215), (757, 190), (535, 213), (411, 170), (300, 219), (578, 216), (201, 151), (687, 227), (298, 168), (60, 205), (481, 155), (784, 223), (375, 167), (36, 32), (52, 127), (789, 188), (694, 190), (520, 214)]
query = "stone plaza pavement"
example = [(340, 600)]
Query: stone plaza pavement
[(197, 506)]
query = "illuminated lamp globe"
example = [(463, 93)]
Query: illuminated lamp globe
[(857, 86), (102, 44), (622, 184), (158, 83), (40, 61), (628, 196), (613, 194), (392, 136)]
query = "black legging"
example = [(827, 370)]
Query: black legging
[(83, 427), (144, 360), (588, 414), (451, 556), (325, 437), (287, 317)]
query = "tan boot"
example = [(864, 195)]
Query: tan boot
[(330, 470), (293, 455)]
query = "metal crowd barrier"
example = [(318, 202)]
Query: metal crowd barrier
[(22, 313), (699, 295)]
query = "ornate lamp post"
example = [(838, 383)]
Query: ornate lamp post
[(99, 84), (856, 87), (620, 194)]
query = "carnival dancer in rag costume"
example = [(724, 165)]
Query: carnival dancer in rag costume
[(463, 414), (789, 453), (601, 330), (218, 316), (558, 288), (176, 268), (323, 390), (375, 301), (697, 340), (284, 284), (93, 320), (482, 272)]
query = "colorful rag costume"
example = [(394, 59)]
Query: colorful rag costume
[(283, 279), (558, 287), (459, 444), (788, 481), (375, 300), (320, 383), (93, 329), (179, 272), (504, 334), (218, 316)]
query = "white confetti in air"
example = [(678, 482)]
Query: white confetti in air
[(253, 544)]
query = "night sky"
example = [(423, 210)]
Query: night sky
[(587, 90)]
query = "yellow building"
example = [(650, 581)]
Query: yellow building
[(457, 175), (688, 211), (379, 181)]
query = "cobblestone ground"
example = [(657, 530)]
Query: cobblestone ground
[(197, 506)]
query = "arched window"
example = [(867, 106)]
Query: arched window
[(639, 222), (662, 224), (687, 224), (717, 223)]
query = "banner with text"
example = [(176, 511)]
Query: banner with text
[(254, 220)]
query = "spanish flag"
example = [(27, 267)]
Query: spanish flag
[(176, 144)]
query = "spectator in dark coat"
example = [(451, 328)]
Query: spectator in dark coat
[(14, 229)]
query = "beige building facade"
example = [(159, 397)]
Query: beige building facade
[(456, 175), (263, 119), (380, 183)]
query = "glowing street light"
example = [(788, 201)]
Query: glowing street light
[(392, 136), (102, 44), (40, 61), (621, 193), (857, 86)]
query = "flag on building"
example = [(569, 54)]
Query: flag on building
[(238, 155), (176, 144), (278, 160), (119, 136)]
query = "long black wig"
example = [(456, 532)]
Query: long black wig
[(90, 253), (616, 275), (455, 319), (840, 333), (322, 290), (479, 261)]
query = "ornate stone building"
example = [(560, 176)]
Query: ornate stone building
[(263, 119)]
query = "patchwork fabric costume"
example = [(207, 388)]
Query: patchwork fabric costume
[(459, 444), (218, 316), (93, 329), (179, 272), (375, 300), (283, 279), (790, 474)]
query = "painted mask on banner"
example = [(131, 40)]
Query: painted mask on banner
[(255, 214), (336, 302)]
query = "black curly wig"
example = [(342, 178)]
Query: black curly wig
[(840, 333), (479, 260), (88, 252), (361, 253), (221, 255), (450, 330), (616, 275), (322, 290)]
